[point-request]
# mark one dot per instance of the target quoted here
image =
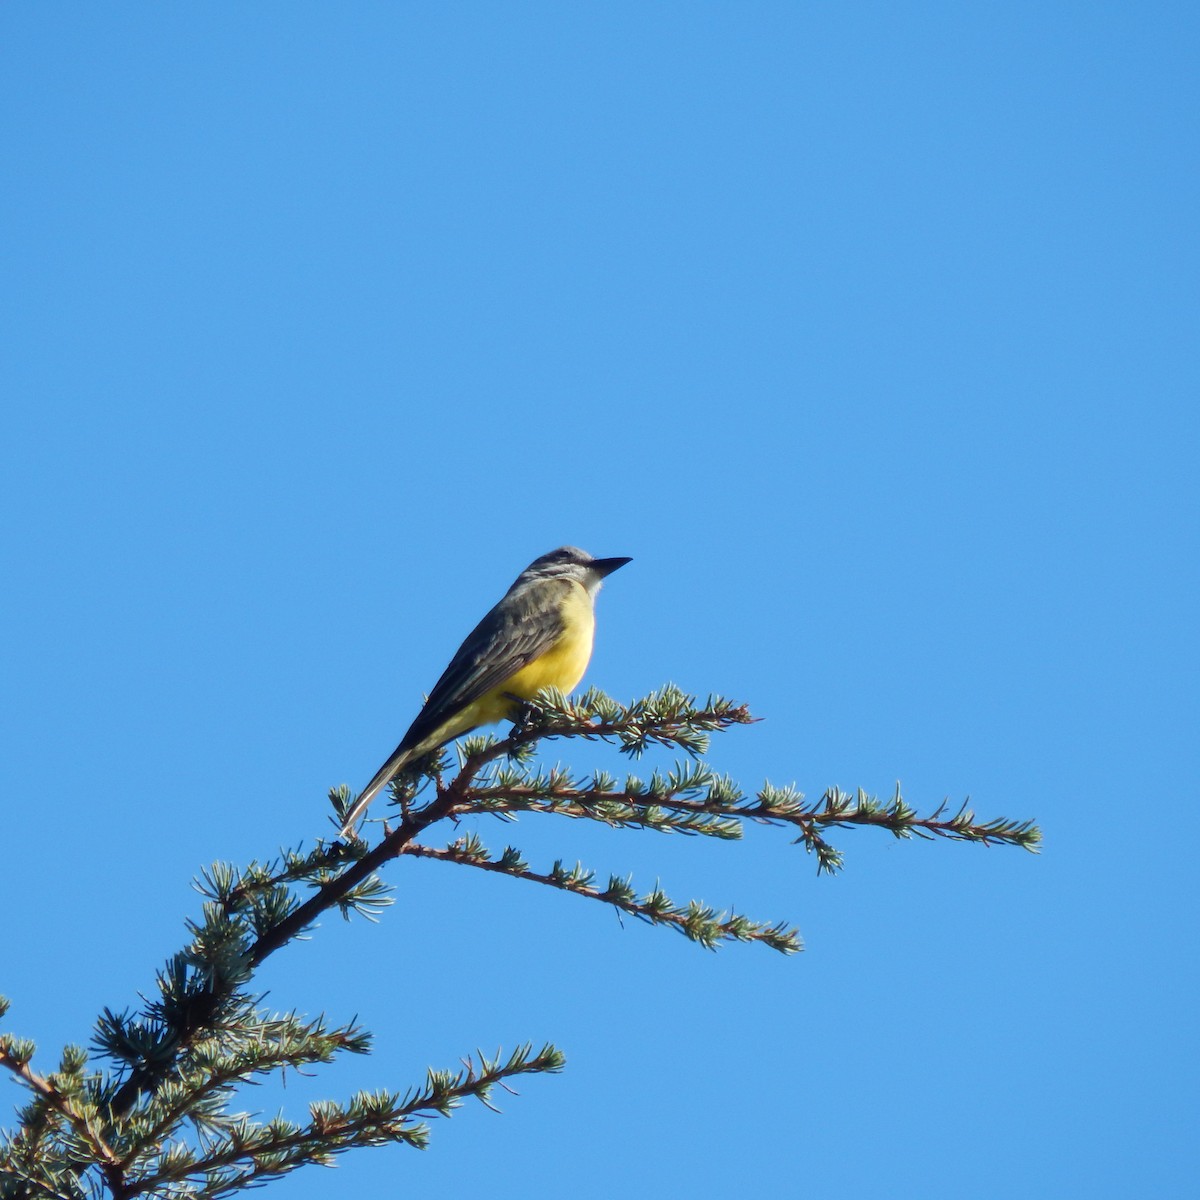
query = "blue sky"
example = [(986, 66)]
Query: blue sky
[(870, 333)]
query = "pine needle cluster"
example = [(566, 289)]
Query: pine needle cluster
[(152, 1110)]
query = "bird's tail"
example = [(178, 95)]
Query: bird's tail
[(402, 755)]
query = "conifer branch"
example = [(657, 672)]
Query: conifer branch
[(694, 800), (667, 717), (249, 1152), (695, 921), (60, 1095), (218, 1065)]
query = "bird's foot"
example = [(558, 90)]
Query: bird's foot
[(522, 715)]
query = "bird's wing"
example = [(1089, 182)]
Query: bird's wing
[(521, 628)]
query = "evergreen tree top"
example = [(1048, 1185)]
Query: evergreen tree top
[(151, 1111)]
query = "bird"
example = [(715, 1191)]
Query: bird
[(538, 635)]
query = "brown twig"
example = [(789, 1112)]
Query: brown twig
[(109, 1161)]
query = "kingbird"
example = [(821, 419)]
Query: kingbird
[(539, 635)]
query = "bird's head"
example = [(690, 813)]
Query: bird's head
[(569, 562)]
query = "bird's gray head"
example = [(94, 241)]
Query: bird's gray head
[(569, 562)]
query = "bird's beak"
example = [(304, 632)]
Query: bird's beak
[(606, 566)]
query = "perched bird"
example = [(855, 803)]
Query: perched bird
[(539, 635)]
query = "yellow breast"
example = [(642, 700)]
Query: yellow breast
[(563, 665)]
